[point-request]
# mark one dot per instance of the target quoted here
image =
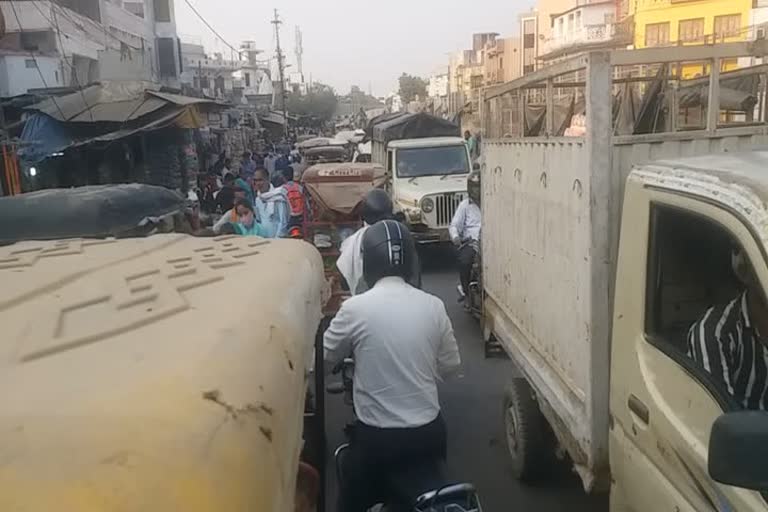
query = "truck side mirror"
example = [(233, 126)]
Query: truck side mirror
[(476, 166), (738, 450)]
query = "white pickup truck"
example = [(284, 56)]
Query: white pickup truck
[(599, 255), (427, 164)]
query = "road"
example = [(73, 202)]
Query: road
[(472, 408)]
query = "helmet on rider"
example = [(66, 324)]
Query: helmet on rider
[(377, 206), (473, 186), (388, 251)]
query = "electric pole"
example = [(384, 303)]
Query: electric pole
[(281, 69)]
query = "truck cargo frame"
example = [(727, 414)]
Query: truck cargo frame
[(554, 235)]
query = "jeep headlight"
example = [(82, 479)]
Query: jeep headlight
[(427, 205)]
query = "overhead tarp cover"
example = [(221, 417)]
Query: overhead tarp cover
[(85, 212), (339, 189), (118, 102), (42, 136), (414, 126)]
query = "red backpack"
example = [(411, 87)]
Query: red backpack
[(295, 198)]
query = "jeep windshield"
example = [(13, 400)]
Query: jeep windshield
[(436, 161)]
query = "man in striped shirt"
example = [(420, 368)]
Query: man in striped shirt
[(727, 341)]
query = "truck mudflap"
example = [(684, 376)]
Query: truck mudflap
[(563, 406)]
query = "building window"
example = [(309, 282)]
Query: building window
[(247, 79), (30, 63), (691, 31), (166, 56), (657, 34), (163, 11), (727, 26), (578, 19)]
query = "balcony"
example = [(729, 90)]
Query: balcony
[(587, 36)]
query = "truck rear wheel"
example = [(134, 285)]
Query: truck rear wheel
[(528, 435)]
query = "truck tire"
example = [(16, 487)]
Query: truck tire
[(527, 434)]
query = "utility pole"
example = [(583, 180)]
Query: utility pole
[(281, 69)]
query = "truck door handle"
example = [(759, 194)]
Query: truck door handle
[(639, 409)]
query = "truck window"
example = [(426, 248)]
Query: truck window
[(437, 161), (390, 159), (703, 304)]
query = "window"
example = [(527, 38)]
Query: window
[(432, 161), (656, 34), (690, 276), (691, 31), (578, 19), (166, 56), (30, 63), (163, 11), (247, 79), (727, 26)]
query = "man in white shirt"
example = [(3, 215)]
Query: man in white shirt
[(377, 206), (465, 230), (402, 342)]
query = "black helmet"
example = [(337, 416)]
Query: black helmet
[(388, 250), (473, 186), (377, 206)]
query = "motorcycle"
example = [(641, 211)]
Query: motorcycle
[(473, 298), (418, 488)]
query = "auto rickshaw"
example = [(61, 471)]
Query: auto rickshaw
[(335, 193), (160, 373)]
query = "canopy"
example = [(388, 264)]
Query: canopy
[(414, 126), (340, 188), (94, 211)]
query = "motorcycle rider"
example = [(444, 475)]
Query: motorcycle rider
[(377, 206), (402, 342), (465, 230)]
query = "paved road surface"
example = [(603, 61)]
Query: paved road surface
[(472, 408)]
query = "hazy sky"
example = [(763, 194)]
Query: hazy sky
[(356, 42)]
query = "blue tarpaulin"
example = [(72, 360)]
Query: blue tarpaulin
[(42, 136)]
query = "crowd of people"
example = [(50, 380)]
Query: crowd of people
[(260, 198)]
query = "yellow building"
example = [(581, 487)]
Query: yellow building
[(673, 22)]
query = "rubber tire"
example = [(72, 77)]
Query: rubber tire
[(533, 457)]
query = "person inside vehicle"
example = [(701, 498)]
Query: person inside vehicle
[(403, 343), (465, 231), (271, 205), (294, 193), (377, 206), (247, 225), (729, 341)]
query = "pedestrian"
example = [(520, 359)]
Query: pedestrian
[(225, 199), (247, 225), (227, 169), (247, 166), (271, 205), (242, 192)]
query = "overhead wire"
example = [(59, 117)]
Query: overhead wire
[(71, 64), (37, 65), (215, 32)]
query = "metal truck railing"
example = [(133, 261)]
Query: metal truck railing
[(653, 90)]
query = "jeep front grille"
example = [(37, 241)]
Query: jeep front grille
[(445, 208)]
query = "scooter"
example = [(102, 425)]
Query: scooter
[(419, 488)]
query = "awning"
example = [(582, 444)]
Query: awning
[(118, 102)]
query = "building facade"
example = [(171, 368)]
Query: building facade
[(684, 22), (591, 24), (71, 43), (529, 42)]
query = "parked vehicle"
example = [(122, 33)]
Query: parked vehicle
[(325, 154), (599, 254), (427, 163), (334, 194), (135, 374), (419, 488)]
